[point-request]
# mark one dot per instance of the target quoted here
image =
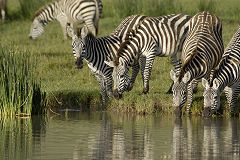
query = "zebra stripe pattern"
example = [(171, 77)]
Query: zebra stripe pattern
[(202, 52), (74, 12), (226, 77), (3, 9), (155, 36), (97, 50)]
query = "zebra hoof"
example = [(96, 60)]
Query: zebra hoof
[(207, 112), (178, 112), (145, 91)]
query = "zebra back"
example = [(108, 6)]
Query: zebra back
[(203, 47), (167, 32), (127, 25), (230, 61)]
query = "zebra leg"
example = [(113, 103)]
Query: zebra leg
[(135, 70), (3, 13), (232, 96), (190, 95), (147, 74), (108, 84), (103, 92), (63, 22), (176, 62)]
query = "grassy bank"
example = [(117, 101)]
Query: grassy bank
[(68, 87)]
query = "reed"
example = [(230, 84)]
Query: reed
[(20, 87)]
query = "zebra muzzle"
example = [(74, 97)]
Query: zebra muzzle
[(79, 63), (30, 37)]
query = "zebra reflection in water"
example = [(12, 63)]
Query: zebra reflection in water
[(212, 139)]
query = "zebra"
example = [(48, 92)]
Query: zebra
[(97, 50), (154, 36), (225, 78), (74, 12), (202, 51), (3, 9)]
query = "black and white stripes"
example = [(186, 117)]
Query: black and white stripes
[(155, 36), (74, 12), (202, 52), (226, 77), (97, 50)]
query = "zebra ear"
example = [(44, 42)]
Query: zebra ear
[(186, 77), (70, 31), (110, 63), (205, 83), (216, 84), (173, 75)]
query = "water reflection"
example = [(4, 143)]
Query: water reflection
[(109, 136), (206, 139)]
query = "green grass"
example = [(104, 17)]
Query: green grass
[(21, 92), (68, 87)]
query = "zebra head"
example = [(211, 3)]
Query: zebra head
[(78, 46), (211, 96), (180, 90), (37, 28), (120, 78)]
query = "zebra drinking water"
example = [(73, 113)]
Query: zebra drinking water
[(74, 12), (226, 77), (97, 50), (202, 51), (155, 36)]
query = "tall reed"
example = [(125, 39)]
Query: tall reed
[(20, 87)]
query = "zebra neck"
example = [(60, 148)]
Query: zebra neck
[(92, 49), (48, 13)]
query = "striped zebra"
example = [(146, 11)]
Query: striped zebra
[(74, 12), (3, 9), (155, 36), (225, 78), (97, 50), (202, 51)]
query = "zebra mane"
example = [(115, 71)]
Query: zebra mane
[(40, 10), (122, 47), (131, 33), (186, 64)]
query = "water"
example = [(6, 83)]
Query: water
[(80, 136)]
